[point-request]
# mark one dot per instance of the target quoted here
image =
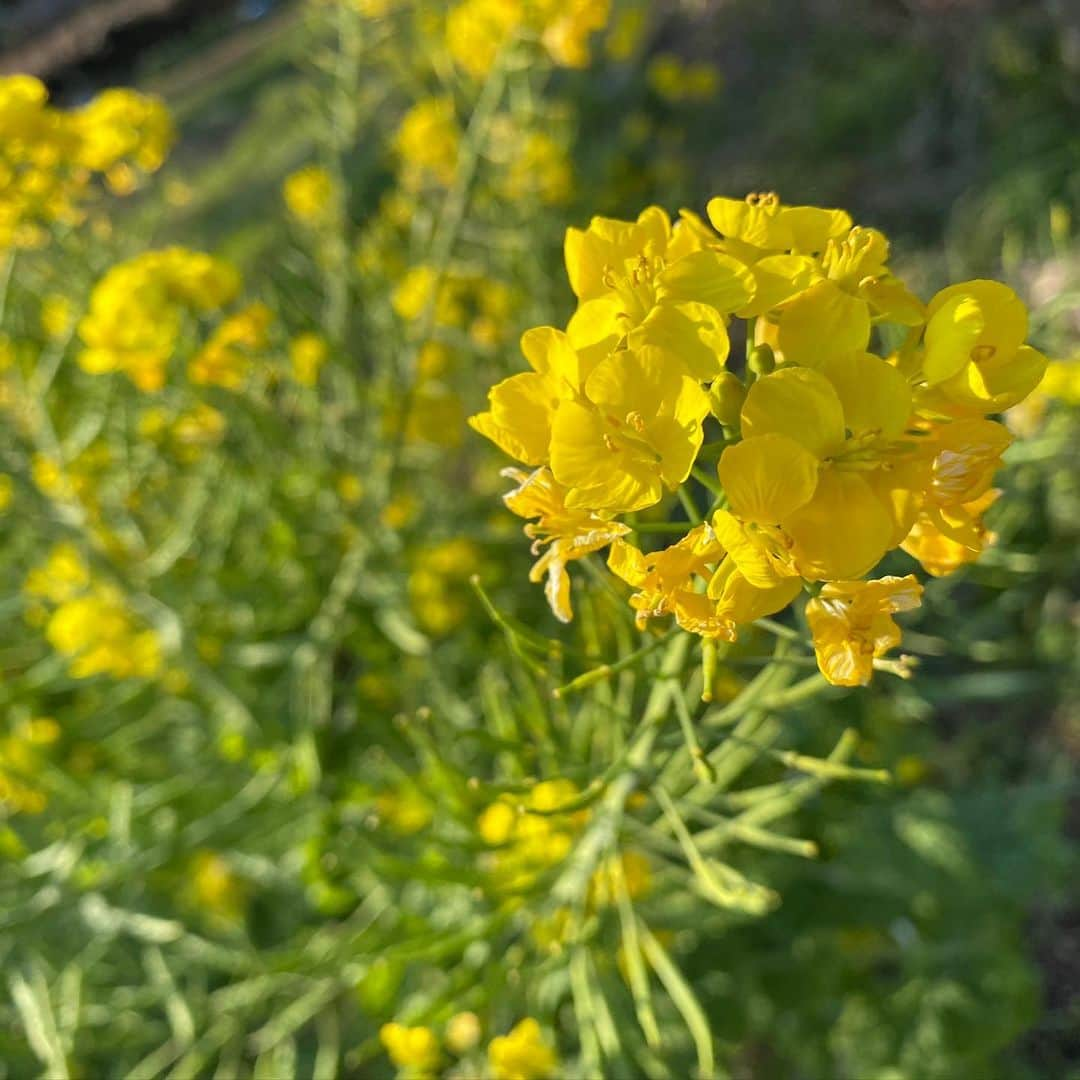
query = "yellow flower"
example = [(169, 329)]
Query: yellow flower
[(225, 360), (668, 584), (477, 30), (427, 141), (760, 224), (946, 538), (7, 490), (523, 406), (801, 484), (632, 867), (530, 843), (522, 1054), (648, 283), (566, 534), (974, 358), (666, 580), (62, 576), (309, 194), (634, 433), (412, 1048), (99, 636), (307, 354), (121, 125), (134, 321), (851, 622)]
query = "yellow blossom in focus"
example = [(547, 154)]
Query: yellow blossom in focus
[(307, 354), (415, 1049), (523, 1054), (974, 359), (852, 624), (566, 534)]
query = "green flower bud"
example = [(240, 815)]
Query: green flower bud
[(726, 395)]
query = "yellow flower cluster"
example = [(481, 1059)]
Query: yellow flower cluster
[(522, 1054), (462, 301), (529, 833), (48, 156), (88, 621), (830, 454), (477, 30), (20, 758), (137, 311)]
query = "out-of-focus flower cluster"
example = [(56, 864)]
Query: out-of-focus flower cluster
[(88, 621), (476, 30), (137, 316), (860, 422), (49, 157)]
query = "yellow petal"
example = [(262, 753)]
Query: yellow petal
[(875, 396), (768, 478), (758, 557), (952, 332), (778, 278), (707, 277), (694, 333), (627, 562), (812, 227), (820, 321), (742, 602), (596, 321), (843, 532), (798, 403)]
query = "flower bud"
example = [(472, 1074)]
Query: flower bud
[(762, 361), (726, 395)]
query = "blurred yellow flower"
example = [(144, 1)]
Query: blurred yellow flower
[(412, 1048), (307, 354), (523, 1054), (427, 142), (309, 194)]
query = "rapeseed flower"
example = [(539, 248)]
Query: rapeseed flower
[(832, 455), (523, 1054), (309, 194), (415, 1050)]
